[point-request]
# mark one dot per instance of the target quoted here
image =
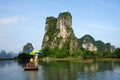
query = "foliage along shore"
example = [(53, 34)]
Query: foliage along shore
[(7, 58), (75, 59), (85, 55), (89, 61)]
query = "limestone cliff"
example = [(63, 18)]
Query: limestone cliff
[(59, 34), (89, 43), (27, 47), (104, 47)]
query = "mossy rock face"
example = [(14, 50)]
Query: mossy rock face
[(65, 15), (100, 45), (27, 47), (59, 34)]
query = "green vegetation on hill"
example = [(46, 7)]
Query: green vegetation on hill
[(100, 45), (51, 29), (26, 47), (87, 38), (58, 53), (116, 53), (65, 14), (55, 45), (59, 41), (23, 56), (59, 38)]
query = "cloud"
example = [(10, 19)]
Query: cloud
[(11, 20)]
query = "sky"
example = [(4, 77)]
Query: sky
[(23, 21)]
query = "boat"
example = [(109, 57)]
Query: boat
[(33, 64), (31, 68)]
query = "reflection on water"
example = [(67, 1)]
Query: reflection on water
[(32, 75), (91, 68), (58, 70), (61, 70), (66, 70), (5, 63)]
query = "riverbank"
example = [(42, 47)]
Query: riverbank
[(107, 59), (47, 59), (7, 59)]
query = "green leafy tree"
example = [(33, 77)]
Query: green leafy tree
[(22, 57), (117, 52)]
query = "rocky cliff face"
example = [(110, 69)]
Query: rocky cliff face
[(104, 47), (27, 47), (89, 43), (59, 33)]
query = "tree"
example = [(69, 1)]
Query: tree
[(22, 57), (117, 52)]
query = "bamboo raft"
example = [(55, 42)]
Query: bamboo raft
[(30, 68)]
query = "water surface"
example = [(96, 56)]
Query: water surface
[(61, 70)]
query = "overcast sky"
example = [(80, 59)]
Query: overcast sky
[(23, 21)]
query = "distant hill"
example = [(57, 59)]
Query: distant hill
[(4, 54), (89, 43)]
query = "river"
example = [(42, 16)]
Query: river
[(62, 70)]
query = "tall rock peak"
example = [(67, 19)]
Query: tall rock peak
[(50, 23), (64, 24), (65, 18), (59, 33)]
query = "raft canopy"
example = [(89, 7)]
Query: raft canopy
[(33, 52)]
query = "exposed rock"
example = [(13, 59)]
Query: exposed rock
[(26, 47), (89, 46), (89, 43), (59, 33)]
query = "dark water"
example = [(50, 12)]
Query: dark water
[(61, 70)]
